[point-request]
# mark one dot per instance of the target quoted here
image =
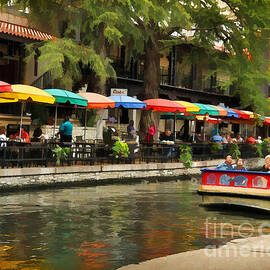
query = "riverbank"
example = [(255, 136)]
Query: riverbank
[(239, 254), (26, 178)]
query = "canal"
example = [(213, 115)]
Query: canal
[(106, 227)]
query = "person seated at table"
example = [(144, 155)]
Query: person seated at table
[(66, 129), (217, 138), (130, 128), (3, 137), (24, 136), (251, 140), (259, 140), (167, 136), (238, 139), (226, 165), (266, 166), (239, 166), (38, 136)]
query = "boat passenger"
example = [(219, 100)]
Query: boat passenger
[(239, 166), (266, 166), (217, 138), (227, 165)]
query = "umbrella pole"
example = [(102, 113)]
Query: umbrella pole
[(55, 120), (118, 119), (22, 106), (85, 121), (175, 126)]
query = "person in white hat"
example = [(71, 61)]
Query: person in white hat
[(259, 140)]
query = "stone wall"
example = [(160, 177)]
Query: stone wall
[(22, 178)]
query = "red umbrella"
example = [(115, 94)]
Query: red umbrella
[(241, 114), (164, 105), (5, 87)]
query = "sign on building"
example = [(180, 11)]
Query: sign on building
[(119, 92)]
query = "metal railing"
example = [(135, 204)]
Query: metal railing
[(13, 154)]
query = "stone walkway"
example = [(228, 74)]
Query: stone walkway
[(241, 254)]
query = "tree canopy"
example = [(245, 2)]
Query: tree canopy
[(150, 28)]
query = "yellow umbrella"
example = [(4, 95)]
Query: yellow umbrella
[(190, 107), (27, 93), (7, 100)]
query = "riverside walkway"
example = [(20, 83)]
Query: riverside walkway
[(38, 177), (239, 254)]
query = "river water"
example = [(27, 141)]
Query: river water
[(106, 227)]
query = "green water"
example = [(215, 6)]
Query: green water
[(110, 226)]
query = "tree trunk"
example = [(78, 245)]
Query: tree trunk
[(95, 83), (151, 82)]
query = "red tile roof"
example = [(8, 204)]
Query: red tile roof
[(23, 31)]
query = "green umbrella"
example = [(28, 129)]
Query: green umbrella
[(64, 96), (206, 109)]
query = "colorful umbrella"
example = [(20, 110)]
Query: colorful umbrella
[(190, 107), (163, 105), (5, 87), (231, 113), (27, 93), (241, 114), (128, 102), (206, 109), (64, 96), (221, 110), (97, 101)]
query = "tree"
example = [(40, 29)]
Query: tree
[(159, 24), (83, 28)]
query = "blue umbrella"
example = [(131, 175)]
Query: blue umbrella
[(128, 102), (231, 113)]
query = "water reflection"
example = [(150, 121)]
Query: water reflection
[(109, 226)]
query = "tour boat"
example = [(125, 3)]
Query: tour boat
[(235, 188)]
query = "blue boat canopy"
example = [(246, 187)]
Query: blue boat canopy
[(128, 102)]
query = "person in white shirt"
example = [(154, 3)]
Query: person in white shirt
[(3, 137), (259, 140)]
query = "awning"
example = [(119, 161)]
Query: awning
[(23, 31), (206, 109), (177, 116)]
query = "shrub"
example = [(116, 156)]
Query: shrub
[(234, 151), (215, 147), (61, 154), (186, 155), (120, 150)]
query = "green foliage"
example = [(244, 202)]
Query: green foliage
[(120, 150), (262, 149), (91, 117), (186, 155), (234, 151), (39, 112), (61, 154), (215, 147)]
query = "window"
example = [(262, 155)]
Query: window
[(240, 181), (225, 180), (259, 182), (211, 179)]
